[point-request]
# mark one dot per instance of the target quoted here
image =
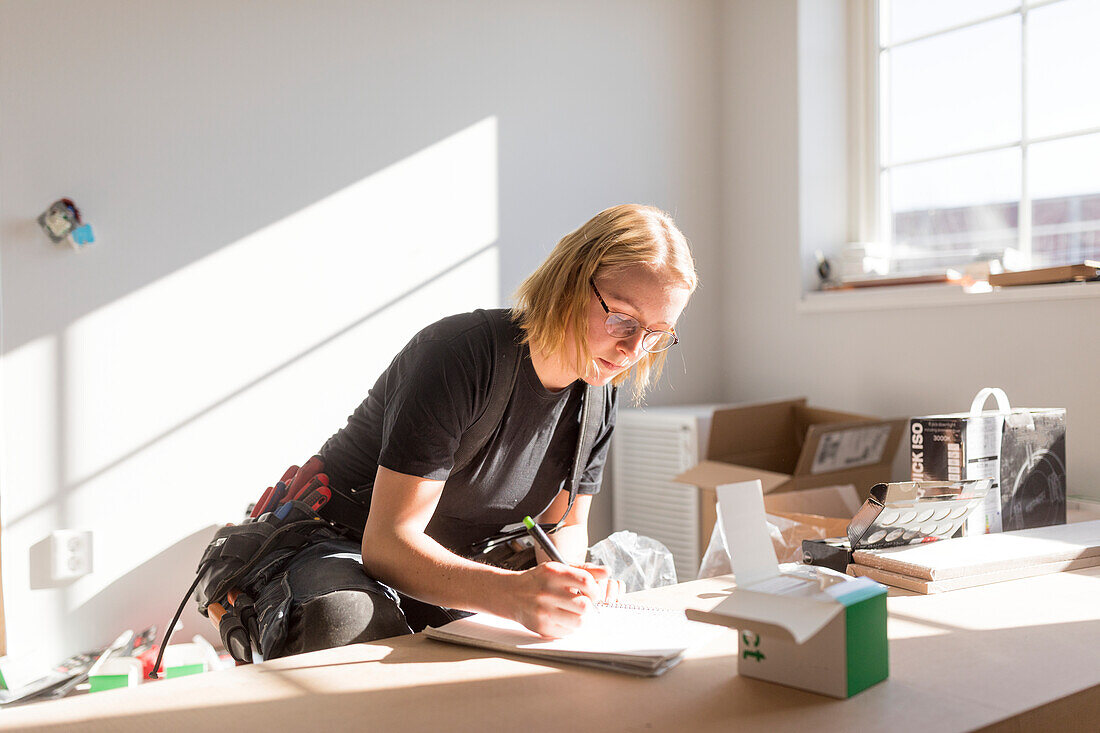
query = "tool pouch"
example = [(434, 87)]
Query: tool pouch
[(243, 555)]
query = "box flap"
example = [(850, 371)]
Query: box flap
[(710, 474), (837, 502), (753, 428), (795, 617), (862, 478), (806, 416), (778, 459), (861, 443), (796, 602), (741, 513)]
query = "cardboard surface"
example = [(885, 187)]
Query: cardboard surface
[(954, 666), (792, 448), (709, 474), (836, 502), (810, 665)]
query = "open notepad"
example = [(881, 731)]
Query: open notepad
[(624, 638)]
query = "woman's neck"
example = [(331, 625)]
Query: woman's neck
[(553, 374)]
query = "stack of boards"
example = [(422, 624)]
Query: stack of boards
[(981, 559)]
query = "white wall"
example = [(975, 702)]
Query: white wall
[(779, 147), (283, 193)]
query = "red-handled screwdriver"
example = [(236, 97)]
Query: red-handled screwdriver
[(318, 497), (257, 510)]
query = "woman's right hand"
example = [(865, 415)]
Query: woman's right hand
[(552, 599)]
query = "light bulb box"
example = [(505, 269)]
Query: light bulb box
[(801, 626), (1023, 451)]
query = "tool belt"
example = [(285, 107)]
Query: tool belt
[(238, 551)]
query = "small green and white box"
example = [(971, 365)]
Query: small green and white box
[(800, 625), (113, 673)]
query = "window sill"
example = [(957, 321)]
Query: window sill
[(938, 296)]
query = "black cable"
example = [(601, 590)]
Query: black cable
[(172, 625)]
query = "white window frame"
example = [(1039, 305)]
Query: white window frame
[(869, 218)]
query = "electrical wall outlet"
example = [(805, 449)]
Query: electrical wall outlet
[(70, 554)]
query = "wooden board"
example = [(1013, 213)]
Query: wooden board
[(1088, 270), (921, 585), (987, 553), (887, 280)]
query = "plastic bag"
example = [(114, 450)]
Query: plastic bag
[(787, 535), (640, 562)]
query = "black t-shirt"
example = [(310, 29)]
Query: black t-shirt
[(413, 420)]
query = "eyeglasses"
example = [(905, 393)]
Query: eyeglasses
[(622, 326)]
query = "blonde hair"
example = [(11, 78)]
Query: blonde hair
[(555, 298)]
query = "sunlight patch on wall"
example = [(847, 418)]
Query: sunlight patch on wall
[(312, 306), (28, 472), (209, 469), (28, 377)]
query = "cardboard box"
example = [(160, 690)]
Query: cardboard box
[(1022, 450), (801, 626), (791, 449)]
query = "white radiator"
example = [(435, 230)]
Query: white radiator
[(650, 448)]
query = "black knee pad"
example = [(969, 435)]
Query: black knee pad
[(343, 617)]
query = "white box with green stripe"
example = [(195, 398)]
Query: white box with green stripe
[(802, 626)]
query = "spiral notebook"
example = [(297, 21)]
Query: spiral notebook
[(619, 637)]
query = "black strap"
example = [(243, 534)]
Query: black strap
[(592, 409), (502, 383)]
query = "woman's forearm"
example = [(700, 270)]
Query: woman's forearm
[(417, 565), (571, 541)]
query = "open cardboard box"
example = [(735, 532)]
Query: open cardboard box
[(815, 466), (802, 626)]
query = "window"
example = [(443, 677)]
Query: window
[(980, 132)]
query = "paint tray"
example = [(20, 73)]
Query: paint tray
[(900, 513)]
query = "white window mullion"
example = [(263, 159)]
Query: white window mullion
[(884, 228), (952, 28), (956, 154), (864, 158), (1025, 195)]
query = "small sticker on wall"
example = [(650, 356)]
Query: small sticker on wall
[(850, 448)]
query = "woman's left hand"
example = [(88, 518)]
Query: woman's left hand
[(612, 589)]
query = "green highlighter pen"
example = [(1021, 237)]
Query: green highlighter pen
[(540, 536)]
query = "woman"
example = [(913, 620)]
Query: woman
[(600, 310)]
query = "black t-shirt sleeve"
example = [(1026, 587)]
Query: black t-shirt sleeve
[(432, 396), (593, 472), (414, 416), (349, 455)]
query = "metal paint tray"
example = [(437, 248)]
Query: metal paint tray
[(901, 513)]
